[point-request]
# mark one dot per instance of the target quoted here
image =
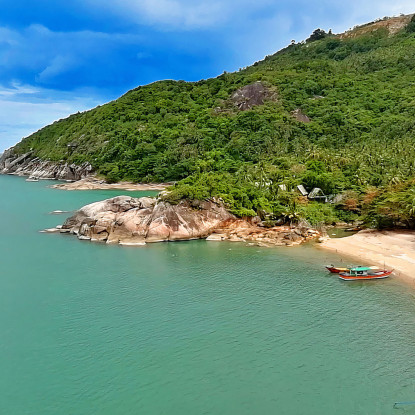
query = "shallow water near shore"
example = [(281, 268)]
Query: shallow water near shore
[(188, 327)]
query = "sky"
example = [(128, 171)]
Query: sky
[(58, 57)]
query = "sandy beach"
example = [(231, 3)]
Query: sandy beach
[(392, 249), (91, 183)]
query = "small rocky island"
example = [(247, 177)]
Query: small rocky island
[(136, 221)]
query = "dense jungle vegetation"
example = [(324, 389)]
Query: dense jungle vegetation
[(358, 93)]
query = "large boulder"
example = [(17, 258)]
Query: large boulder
[(129, 220), (252, 95)]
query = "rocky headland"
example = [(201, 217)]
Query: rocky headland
[(36, 168), (80, 177), (137, 221)]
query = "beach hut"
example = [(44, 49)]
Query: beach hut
[(318, 195)]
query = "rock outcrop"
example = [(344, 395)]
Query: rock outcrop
[(131, 221), (242, 231), (300, 116), (392, 24), (252, 95), (35, 168)]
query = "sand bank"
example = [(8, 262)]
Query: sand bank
[(394, 249), (91, 183)]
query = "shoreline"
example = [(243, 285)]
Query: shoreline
[(91, 183), (389, 249)]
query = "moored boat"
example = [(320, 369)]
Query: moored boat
[(363, 274), (337, 270)]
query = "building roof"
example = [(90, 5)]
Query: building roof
[(302, 190), (316, 192)]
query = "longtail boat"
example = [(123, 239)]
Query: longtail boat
[(363, 274), (337, 270)]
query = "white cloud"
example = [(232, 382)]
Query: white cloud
[(47, 54), (205, 14), (24, 109), (17, 89), (180, 14), (58, 65), (383, 7)]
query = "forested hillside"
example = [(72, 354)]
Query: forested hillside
[(335, 112)]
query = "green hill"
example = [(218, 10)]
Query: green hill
[(335, 112)]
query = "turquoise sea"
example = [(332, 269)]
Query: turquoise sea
[(188, 327)]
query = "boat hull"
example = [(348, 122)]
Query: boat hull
[(336, 270), (345, 277)]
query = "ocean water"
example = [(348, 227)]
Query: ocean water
[(188, 327)]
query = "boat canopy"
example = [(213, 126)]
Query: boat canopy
[(358, 269)]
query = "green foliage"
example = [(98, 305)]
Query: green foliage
[(346, 216), (357, 91), (241, 198), (393, 206), (318, 213), (410, 28), (317, 35)]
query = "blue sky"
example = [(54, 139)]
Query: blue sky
[(59, 57)]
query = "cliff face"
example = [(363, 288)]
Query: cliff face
[(35, 168), (131, 221)]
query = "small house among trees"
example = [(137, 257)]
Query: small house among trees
[(318, 195)]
